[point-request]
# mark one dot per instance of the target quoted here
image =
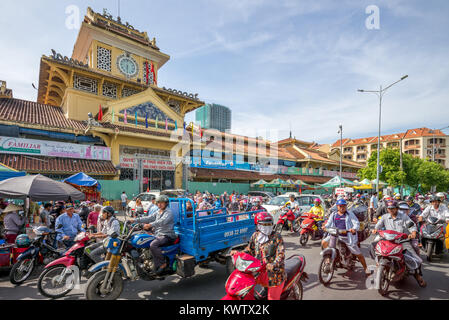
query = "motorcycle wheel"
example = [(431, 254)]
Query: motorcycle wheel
[(326, 270), (382, 280), (95, 282), (49, 277), (229, 266), (303, 239), (296, 292), (429, 252), (278, 228), (18, 276), (296, 226)]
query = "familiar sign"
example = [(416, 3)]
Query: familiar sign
[(53, 149)]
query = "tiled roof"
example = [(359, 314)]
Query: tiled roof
[(22, 111), (134, 129), (250, 175), (54, 165)]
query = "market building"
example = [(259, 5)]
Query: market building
[(225, 158), (102, 107)]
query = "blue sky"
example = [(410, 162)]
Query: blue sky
[(276, 64)]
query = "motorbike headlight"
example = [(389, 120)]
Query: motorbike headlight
[(396, 250), (242, 265)]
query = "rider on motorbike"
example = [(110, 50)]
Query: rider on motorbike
[(110, 226), (292, 203), (268, 247), (397, 221), (257, 204), (162, 222), (318, 210), (435, 210), (345, 220)]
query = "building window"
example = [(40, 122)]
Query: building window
[(85, 84), (104, 59), (128, 92), (109, 90)]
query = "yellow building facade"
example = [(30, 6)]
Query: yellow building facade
[(110, 83)]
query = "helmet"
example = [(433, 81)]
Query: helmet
[(41, 230), (263, 218), (404, 206), (162, 198), (392, 204), (23, 241), (317, 200), (440, 195), (410, 198), (397, 196), (434, 198), (341, 202), (109, 210), (359, 195)]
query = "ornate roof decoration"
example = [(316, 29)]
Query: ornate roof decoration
[(185, 94), (106, 21), (58, 57)]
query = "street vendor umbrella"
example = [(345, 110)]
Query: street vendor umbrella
[(381, 183), (38, 188), (260, 183), (301, 183), (335, 182), (82, 179), (7, 172), (276, 183)]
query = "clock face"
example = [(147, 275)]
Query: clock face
[(127, 65)]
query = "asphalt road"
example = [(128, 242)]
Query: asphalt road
[(208, 284)]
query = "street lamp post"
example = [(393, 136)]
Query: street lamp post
[(380, 94), (341, 152)]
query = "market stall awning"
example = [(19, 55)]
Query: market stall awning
[(381, 183), (82, 179), (38, 188), (336, 182), (301, 183), (260, 183), (7, 172)]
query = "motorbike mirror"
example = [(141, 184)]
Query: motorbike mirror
[(410, 224), (114, 235)]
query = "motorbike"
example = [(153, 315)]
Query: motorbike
[(334, 258), (40, 252), (58, 277), (309, 229), (432, 237), (288, 220), (241, 283), (393, 264), (128, 256)]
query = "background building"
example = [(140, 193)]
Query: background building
[(214, 116), (421, 142)]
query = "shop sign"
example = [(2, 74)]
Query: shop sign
[(53, 149), (149, 163)]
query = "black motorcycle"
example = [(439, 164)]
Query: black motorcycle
[(335, 257), (42, 251), (432, 237)]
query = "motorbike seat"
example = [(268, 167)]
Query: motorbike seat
[(292, 265)]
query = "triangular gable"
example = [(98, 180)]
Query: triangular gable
[(144, 97), (149, 109)]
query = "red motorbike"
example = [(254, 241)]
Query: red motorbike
[(391, 260), (242, 281), (288, 220), (309, 229), (60, 276)]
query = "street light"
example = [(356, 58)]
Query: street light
[(340, 131), (380, 94)]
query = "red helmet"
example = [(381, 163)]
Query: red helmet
[(263, 218)]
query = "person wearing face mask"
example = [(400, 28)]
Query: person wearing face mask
[(268, 247)]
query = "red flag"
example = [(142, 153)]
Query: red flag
[(100, 114), (154, 73)]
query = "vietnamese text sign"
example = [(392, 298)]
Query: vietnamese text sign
[(53, 149)]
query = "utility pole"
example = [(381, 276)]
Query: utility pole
[(380, 94), (341, 152)]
